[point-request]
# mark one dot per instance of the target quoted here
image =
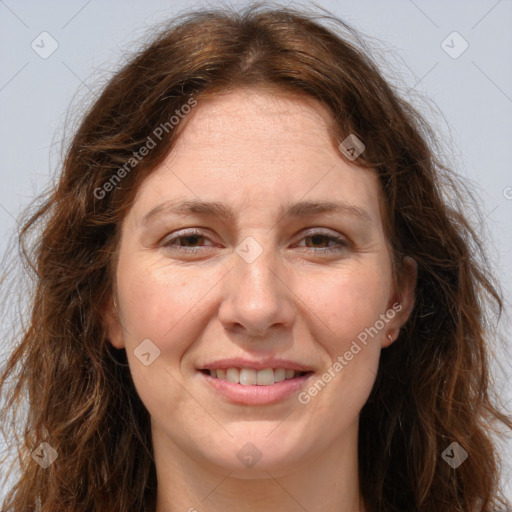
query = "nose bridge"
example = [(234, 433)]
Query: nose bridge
[(256, 264), (257, 297)]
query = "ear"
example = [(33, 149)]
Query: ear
[(402, 301), (112, 323)]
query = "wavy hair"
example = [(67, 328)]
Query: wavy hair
[(65, 384)]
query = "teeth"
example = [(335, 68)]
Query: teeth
[(247, 377), (233, 375), (251, 377), (279, 374), (265, 377)]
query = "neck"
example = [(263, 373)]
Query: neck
[(327, 482)]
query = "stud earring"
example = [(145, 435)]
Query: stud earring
[(390, 338), (115, 303)]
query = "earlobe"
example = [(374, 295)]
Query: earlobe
[(403, 300), (113, 324), (408, 287)]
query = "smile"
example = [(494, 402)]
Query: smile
[(247, 386), (253, 377)]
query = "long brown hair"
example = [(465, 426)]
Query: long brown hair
[(433, 387)]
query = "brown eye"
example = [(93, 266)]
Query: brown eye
[(185, 241), (317, 239), (320, 242)]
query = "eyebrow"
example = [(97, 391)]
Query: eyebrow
[(225, 213)]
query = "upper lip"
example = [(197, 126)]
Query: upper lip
[(260, 364)]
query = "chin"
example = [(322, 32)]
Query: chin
[(253, 453)]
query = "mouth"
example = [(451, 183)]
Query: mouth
[(254, 377), (251, 386)]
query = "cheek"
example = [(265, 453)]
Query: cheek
[(164, 305), (160, 301), (349, 302), (167, 305), (348, 306)]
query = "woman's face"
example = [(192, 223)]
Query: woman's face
[(276, 283)]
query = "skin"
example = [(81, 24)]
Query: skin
[(256, 152)]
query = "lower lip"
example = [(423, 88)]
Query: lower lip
[(256, 395)]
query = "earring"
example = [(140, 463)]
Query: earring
[(115, 303), (390, 338)]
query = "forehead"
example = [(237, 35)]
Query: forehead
[(252, 148), (257, 113)]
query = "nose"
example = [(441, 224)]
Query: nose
[(258, 299)]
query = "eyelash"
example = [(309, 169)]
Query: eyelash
[(342, 243)]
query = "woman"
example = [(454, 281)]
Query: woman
[(194, 345)]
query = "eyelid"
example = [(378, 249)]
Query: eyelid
[(321, 231), (343, 242), (183, 233)]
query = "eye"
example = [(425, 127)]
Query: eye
[(191, 237), (192, 241), (321, 238)]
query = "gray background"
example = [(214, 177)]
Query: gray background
[(468, 99)]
